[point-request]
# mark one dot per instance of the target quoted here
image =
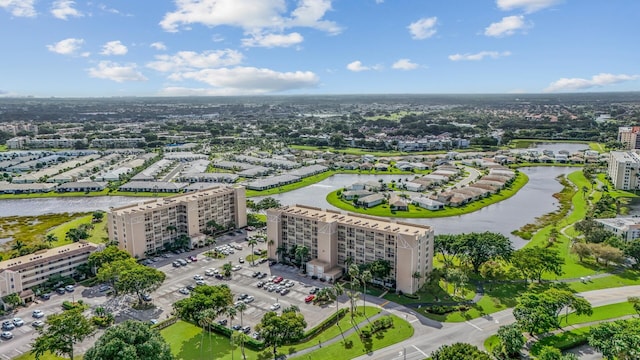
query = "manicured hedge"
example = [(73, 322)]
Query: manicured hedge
[(563, 341)]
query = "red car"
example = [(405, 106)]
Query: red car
[(278, 280), (193, 258), (309, 298)]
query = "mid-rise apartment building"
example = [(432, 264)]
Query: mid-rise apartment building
[(25, 272), (624, 170), (335, 239), (628, 135), (626, 228), (153, 225), (117, 143)]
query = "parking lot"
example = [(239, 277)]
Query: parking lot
[(242, 281)]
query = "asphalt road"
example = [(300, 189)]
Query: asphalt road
[(429, 335)]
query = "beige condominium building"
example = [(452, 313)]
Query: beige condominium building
[(20, 274), (334, 238), (624, 170), (151, 225)]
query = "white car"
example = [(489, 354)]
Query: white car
[(274, 307), (184, 291), (37, 314), (211, 272), (18, 321), (198, 277), (248, 299), (37, 324), (236, 268), (6, 335)]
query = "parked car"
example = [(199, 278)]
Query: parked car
[(37, 324), (193, 258), (200, 282), (241, 260), (242, 296), (18, 321), (61, 291), (176, 264), (314, 290), (246, 329), (248, 299), (284, 291), (256, 274), (222, 322), (309, 298), (274, 307), (104, 288), (153, 321), (236, 327), (210, 272), (37, 314), (278, 280), (8, 325), (198, 277), (184, 291), (6, 335), (146, 297), (191, 287), (46, 296)]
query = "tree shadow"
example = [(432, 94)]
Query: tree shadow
[(197, 347)]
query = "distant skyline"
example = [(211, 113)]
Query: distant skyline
[(67, 48)]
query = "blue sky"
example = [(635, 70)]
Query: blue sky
[(250, 47)]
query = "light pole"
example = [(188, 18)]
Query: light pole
[(404, 353)]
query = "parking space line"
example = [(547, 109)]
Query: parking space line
[(384, 303)]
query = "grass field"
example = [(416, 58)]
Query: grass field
[(47, 356), (353, 346), (418, 212), (189, 342)]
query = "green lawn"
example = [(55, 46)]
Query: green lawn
[(352, 346), (600, 313), (189, 342), (97, 235), (418, 212), (47, 356)]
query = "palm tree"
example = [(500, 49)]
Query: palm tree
[(18, 245), (50, 239), (212, 242), (354, 274), (301, 254), (365, 277), (253, 242), (206, 317), (241, 307), (238, 337), (281, 251), (231, 312), (338, 290)]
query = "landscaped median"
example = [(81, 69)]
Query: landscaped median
[(384, 210)]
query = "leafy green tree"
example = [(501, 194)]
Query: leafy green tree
[(12, 300), (493, 271), (534, 261), (278, 330), (130, 340), (581, 249), (633, 251), (511, 340), (97, 216), (449, 246), (202, 298), (61, 333), (77, 234), (110, 272), (617, 340), (459, 351), (478, 248), (226, 269), (268, 203), (109, 254), (139, 280), (635, 302), (551, 353), (380, 268)]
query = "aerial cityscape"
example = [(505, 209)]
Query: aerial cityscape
[(319, 179)]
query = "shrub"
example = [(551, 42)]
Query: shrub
[(68, 305), (412, 296), (444, 309)]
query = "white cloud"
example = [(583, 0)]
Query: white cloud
[(423, 28), (357, 66), (191, 60), (273, 40), (404, 64), (63, 9), (528, 6), (119, 73), (159, 45), (602, 79), (114, 48), (250, 15), (19, 8), (66, 47), (250, 80), (507, 26), (479, 56)]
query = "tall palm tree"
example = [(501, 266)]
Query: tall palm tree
[(338, 290), (231, 312), (281, 251), (354, 274), (301, 253), (253, 242), (226, 269), (205, 319), (365, 277), (241, 307)]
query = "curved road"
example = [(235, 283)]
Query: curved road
[(429, 334)]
